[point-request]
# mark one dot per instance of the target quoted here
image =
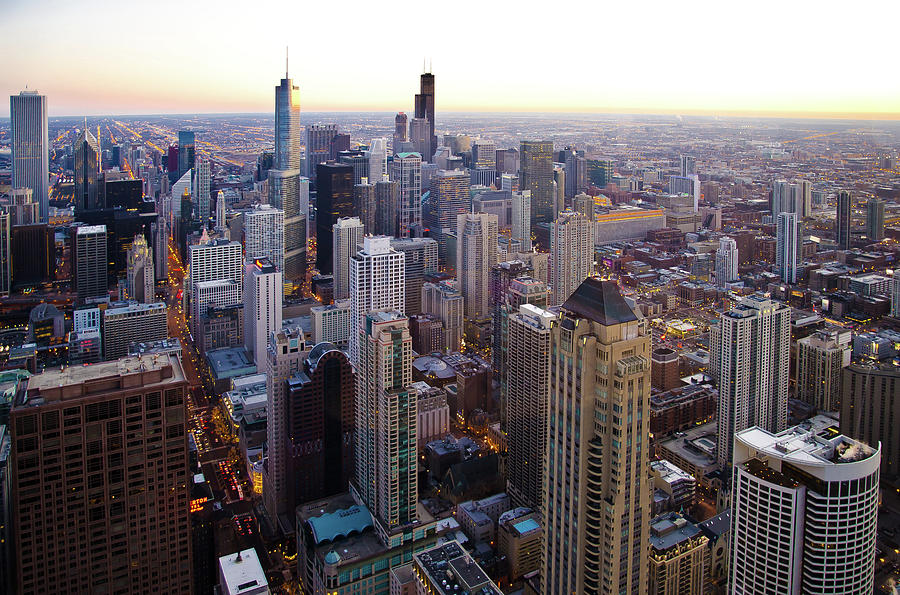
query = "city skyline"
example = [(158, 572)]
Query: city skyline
[(751, 78)]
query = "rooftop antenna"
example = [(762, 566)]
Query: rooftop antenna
[(423, 64), (285, 61), (429, 65)]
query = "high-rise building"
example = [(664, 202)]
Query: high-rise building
[(387, 201), (749, 355), (476, 254), (221, 218), (376, 283), (334, 200), (401, 134), (364, 205), (688, 165), (359, 161), (520, 225), (528, 378), (263, 293), (571, 254), (448, 199), (108, 509), (386, 480), (406, 170), (726, 261), (321, 425), (484, 154), (264, 235), (91, 262), (576, 171), (216, 277), (284, 358), (5, 254), (125, 323), (821, 358), (424, 110), (87, 172), (537, 177), (202, 176), (875, 219), (22, 208), (421, 258), (187, 151), (444, 301), (792, 197), (794, 529), (419, 136), (787, 251), (289, 192), (287, 124), (347, 234), (30, 147), (842, 221), (377, 156), (318, 147), (596, 495), (140, 281), (869, 408)]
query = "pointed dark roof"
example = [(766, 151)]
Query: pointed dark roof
[(599, 301)]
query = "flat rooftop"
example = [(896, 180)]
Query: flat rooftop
[(242, 572), (670, 529), (816, 441), (451, 570)]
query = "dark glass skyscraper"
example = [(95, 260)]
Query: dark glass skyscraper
[(87, 169), (333, 200), (186, 151), (287, 125), (537, 177), (842, 221), (425, 110)]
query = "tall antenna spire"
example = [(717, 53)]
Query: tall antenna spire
[(285, 61), (423, 64)]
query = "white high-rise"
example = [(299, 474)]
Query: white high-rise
[(378, 163), (220, 211), (749, 355), (571, 254), (263, 292), (792, 197), (140, 278), (726, 261), (30, 146), (216, 274), (520, 226), (804, 511), (476, 253), (787, 250), (376, 283), (264, 235), (201, 188), (346, 236)]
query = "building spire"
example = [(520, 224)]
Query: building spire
[(286, 62)]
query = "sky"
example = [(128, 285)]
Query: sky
[(785, 57)]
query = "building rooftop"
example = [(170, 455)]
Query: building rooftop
[(229, 362), (242, 572), (118, 308), (601, 302), (718, 525), (91, 229), (670, 529), (451, 570), (340, 523), (669, 472)]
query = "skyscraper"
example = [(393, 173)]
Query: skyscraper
[(318, 147), (420, 258), (444, 301), (520, 225), (140, 279), (364, 205), (576, 171), (376, 283), (5, 254), (30, 147), (875, 219), (537, 177), (216, 277), (348, 234), (401, 131), (821, 358), (476, 253), (787, 251), (895, 294), (726, 261), (749, 355), (334, 200), (842, 222), (87, 171), (264, 235), (132, 322), (794, 528), (108, 508), (688, 165), (386, 479), (387, 201), (187, 151), (596, 496), (419, 136), (424, 104), (263, 292), (201, 189), (91, 262), (287, 124), (377, 156), (448, 199), (792, 197), (284, 358), (571, 254), (321, 425), (527, 376), (406, 170), (870, 408)]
